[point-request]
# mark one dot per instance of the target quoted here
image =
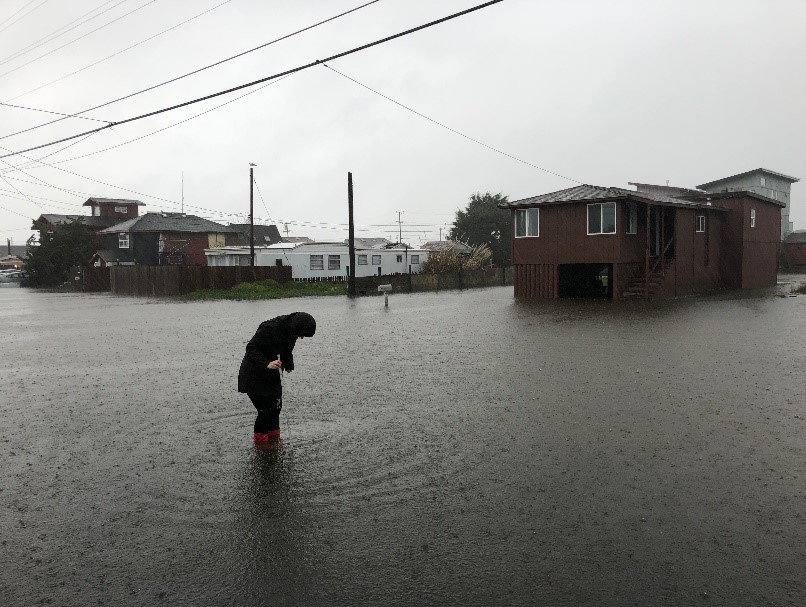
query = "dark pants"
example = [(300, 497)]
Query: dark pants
[(268, 411)]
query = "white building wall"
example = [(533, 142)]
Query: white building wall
[(335, 259)]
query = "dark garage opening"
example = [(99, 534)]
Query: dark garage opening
[(591, 280)]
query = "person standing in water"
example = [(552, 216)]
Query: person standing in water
[(268, 353)]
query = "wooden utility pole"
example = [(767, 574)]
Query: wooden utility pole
[(351, 271), (251, 215)]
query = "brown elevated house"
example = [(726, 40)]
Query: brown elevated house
[(591, 241)]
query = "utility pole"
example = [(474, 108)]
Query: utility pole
[(351, 271), (252, 214), (399, 227)]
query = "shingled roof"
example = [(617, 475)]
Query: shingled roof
[(168, 222), (87, 220), (594, 193)]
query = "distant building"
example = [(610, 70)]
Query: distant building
[(104, 212), (759, 181), (795, 246), (162, 239), (264, 235), (325, 260)]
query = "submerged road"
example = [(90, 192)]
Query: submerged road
[(457, 448)]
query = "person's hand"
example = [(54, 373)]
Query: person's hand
[(275, 365)]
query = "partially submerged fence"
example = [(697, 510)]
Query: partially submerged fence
[(408, 283), (160, 281)]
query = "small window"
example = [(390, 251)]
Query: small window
[(334, 262), (376, 260), (602, 218), (362, 260), (527, 223), (123, 241), (763, 182), (700, 224), (415, 260), (122, 210), (317, 262), (752, 218), (278, 262), (399, 258), (632, 218)]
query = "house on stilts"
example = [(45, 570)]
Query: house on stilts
[(607, 242)]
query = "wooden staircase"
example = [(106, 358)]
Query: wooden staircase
[(640, 286)]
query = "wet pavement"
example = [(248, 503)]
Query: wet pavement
[(457, 448)]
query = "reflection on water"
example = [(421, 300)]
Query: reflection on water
[(453, 448)]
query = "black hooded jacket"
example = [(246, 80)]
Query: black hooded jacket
[(273, 337)]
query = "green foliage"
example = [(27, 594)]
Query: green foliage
[(482, 222), (50, 261), (451, 260), (270, 289)]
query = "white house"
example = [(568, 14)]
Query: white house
[(323, 259)]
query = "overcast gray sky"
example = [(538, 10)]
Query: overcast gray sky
[(598, 92)]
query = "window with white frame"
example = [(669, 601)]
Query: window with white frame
[(700, 224), (752, 218), (527, 223), (763, 181), (362, 260), (123, 241), (399, 258), (632, 217), (122, 210), (334, 262), (602, 218), (415, 260), (317, 262), (376, 260)]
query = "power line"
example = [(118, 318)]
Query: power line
[(33, 109), (23, 16), (266, 79), (151, 88), (58, 48), (35, 161), (120, 52), (54, 34), (444, 126)]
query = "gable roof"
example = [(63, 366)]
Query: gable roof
[(263, 234), (168, 222), (759, 170), (594, 193), (88, 220)]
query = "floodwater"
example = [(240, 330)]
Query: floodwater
[(457, 448)]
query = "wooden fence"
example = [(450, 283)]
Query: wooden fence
[(161, 281)]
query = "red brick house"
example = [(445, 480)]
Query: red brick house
[(591, 241), (162, 239)]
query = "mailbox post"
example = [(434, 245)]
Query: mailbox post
[(385, 289)]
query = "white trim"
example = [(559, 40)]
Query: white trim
[(699, 229), (530, 231), (601, 206)]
